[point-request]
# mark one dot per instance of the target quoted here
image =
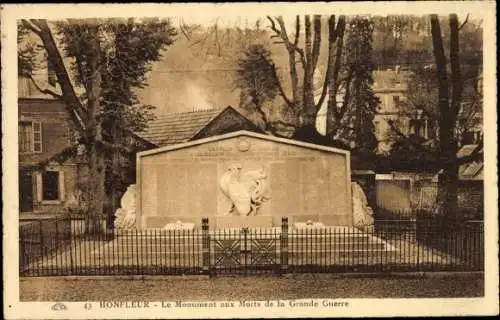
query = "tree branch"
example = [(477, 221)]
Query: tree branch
[(464, 23), (184, 30), (456, 80), (273, 26), (316, 41), (280, 87), (339, 35), (297, 30), (291, 61), (72, 103), (32, 26), (331, 40), (308, 45), (347, 95), (60, 157), (282, 33)]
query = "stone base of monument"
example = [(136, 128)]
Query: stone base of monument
[(230, 222)]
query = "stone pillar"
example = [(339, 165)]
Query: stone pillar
[(284, 245), (205, 245)]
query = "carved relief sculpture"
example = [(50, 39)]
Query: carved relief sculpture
[(247, 191), (125, 216), (362, 213)]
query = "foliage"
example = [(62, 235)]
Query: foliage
[(423, 95), (358, 123), (254, 78), (26, 53), (109, 59), (407, 40), (128, 47)]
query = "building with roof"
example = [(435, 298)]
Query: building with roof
[(470, 116), (391, 86), (45, 129), (472, 171), (51, 177), (187, 126)]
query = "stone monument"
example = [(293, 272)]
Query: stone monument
[(243, 179)]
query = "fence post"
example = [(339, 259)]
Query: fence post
[(70, 235), (42, 244), (284, 245), (205, 242), (57, 238)]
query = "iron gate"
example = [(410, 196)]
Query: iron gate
[(245, 251)]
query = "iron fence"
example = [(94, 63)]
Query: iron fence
[(42, 238), (285, 249)]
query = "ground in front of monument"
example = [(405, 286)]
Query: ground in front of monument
[(258, 288)]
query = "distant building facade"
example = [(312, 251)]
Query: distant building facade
[(391, 87), (470, 116)]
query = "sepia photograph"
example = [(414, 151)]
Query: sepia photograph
[(241, 160)]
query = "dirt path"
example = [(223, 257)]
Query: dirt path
[(251, 288)]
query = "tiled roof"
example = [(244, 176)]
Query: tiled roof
[(472, 170), (178, 127), (467, 150), (27, 90)]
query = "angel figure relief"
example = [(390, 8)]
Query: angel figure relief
[(247, 191)]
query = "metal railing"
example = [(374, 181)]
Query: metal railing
[(50, 250), (41, 238)]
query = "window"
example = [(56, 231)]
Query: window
[(50, 185), (37, 137), (30, 137), (395, 99), (25, 137), (70, 136)]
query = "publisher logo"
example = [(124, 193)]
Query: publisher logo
[(59, 307)]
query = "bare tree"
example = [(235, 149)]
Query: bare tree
[(303, 63)]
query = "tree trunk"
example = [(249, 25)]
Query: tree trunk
[(115, 176), (309, 111), (448, 182), (336, 42), (74, 106), (94, 136)]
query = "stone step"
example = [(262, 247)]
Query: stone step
[(291, 238), (292, 252), (336, 246)]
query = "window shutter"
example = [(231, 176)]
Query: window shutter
[(39, 190), (61, 185), (37, 137)]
